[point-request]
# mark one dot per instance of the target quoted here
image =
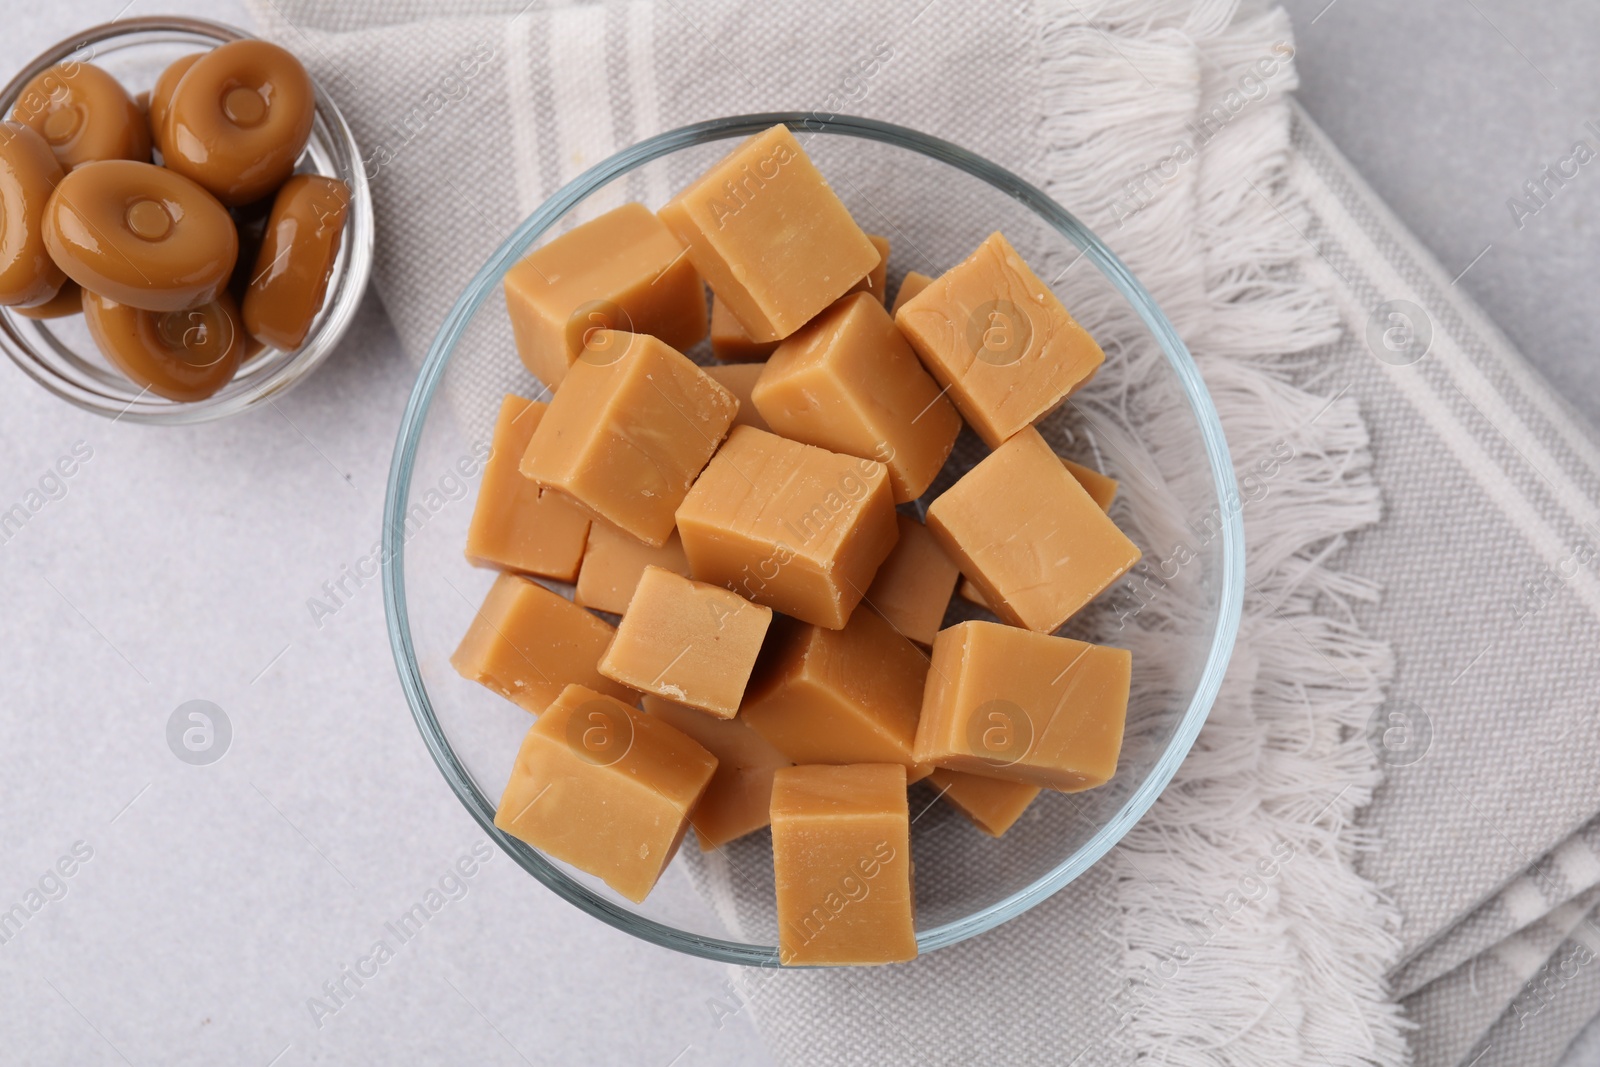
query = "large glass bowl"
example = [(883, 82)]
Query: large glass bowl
[(1145, 418), (60, 355)]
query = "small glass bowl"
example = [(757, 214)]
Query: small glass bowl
[(60, 355), (1145, 418)]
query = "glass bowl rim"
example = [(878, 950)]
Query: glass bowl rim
[(345, 292), (1231, 585)]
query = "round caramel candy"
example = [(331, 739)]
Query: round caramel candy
[(238, 119), (85, 114), (140, 235), (181, 355), (68, 301), (297, 253), (28, 175), (161, 92)]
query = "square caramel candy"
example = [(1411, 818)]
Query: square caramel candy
[(1029, 536), (605, 788), (991, 804), (1008, 703), (841, 859), (849, 382), (731, 342), (771, 239), (613, 562), (513, 527), (622, 271), (740, 380), (797, 528), (913, 283), (688, 641), (528, 644), (913, 587), (739, 799), (628, 432), (840, 696), (874, 282), (997, 337)]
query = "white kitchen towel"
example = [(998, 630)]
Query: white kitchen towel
[(1163, 126), (1551, 1008)]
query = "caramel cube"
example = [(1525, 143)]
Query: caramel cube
[(998, 338), (913, 283), (850, 383), (876, 277), (912, 589), (622, 271), (840, 696), (605, 788), (513, 527), (739, 799), (1029, 535), (690, 642), (731, 342), (1008, 703), (740, 380), (797, 528), (629, 430), (990, 804), (528, 644), (769, 236), (613, 562), (841, 858)]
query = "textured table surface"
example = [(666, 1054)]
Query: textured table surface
[(220, 899)]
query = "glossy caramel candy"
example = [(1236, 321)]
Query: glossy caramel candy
[(295, 261), (183, 355), (84, 114), (238, 119), (29, 173)]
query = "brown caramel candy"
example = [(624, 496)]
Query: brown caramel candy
[(238, 119), (739, 799), (528, 643), (1003, 702), (876, 277), (1029, 535), (180, 355), (296, 259), (513, 527), (848, 382), (914, 283), (913, 587), (84, 114), (731, 342), (160, 95), (841, 858), (840, 696), (67, 301), (797, 528), (630, 429), (140, 235), (997, 337), (690, 642), (768, 235), (622, 271), (990, 804), (740, 380), (613, 562), (605, 788), (29, 173)]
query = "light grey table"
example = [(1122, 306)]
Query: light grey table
[(219, 900)]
